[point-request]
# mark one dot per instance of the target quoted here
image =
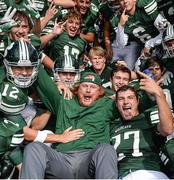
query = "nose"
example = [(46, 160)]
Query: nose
[(126, 101), (74, 24), (88, 89), (20, 30), (121, 82), (23, 71), (68, 77)]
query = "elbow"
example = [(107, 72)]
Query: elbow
[(168, 131)]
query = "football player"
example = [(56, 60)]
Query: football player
[(65, 38), (140, 21), (156, 67), (168, 46), (97, 56), (135, 137), (21, 62)]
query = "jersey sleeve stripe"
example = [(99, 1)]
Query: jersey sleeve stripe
[(11, 109), (17, 140), (150, 8)]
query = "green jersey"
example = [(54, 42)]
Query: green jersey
[(94, 120), (105, 75), (3, 8), (42, 6), (167, 155), (13, 99), (140, 26), (136, 143), (66, 45), (167, 151)]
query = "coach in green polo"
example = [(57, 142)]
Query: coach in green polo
[(91, 156)]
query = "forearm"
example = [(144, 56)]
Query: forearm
[(64, 3), (89, 37), (165, 126), (48, 62), (107, 34), (37, 27), (46, 38), (39, 122), (44, 22), (40, 136)]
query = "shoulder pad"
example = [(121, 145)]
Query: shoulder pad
[(12, 99)]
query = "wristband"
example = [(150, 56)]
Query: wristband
[(41, 136)]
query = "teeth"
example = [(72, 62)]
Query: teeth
[(87, 97), (126, 108)]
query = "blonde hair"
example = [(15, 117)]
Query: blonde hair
[(74, 14), (97, 51)]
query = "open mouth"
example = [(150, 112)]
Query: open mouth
[(87, 98), (73, 31), (127, 110)]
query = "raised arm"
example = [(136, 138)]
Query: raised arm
[(165, 126), (63, 3)]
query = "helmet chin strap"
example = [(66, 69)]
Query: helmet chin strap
[(23, 82)]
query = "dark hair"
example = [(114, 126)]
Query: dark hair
[(121, 68), (21, 16), (153, 60), (125, 88)]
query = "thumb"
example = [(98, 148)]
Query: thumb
[(160, 81), (68, 129)]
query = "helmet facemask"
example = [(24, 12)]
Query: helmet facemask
[(67, 72), (168, 40), (75, 76), (28, 60)]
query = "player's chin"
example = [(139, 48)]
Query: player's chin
[(72, 34), (86, 103)]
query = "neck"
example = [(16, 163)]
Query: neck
[(100, 71)]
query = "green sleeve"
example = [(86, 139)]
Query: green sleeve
[(114, 22), (150, 7), (47, 90)]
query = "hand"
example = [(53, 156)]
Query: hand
[(123, 18), (121, 63), (162, 24), (149, 85), (67, 92), (51, 11), (71, 135), (146, 52), (58, 27), (31, 8), (167, 78), (6, 23)]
